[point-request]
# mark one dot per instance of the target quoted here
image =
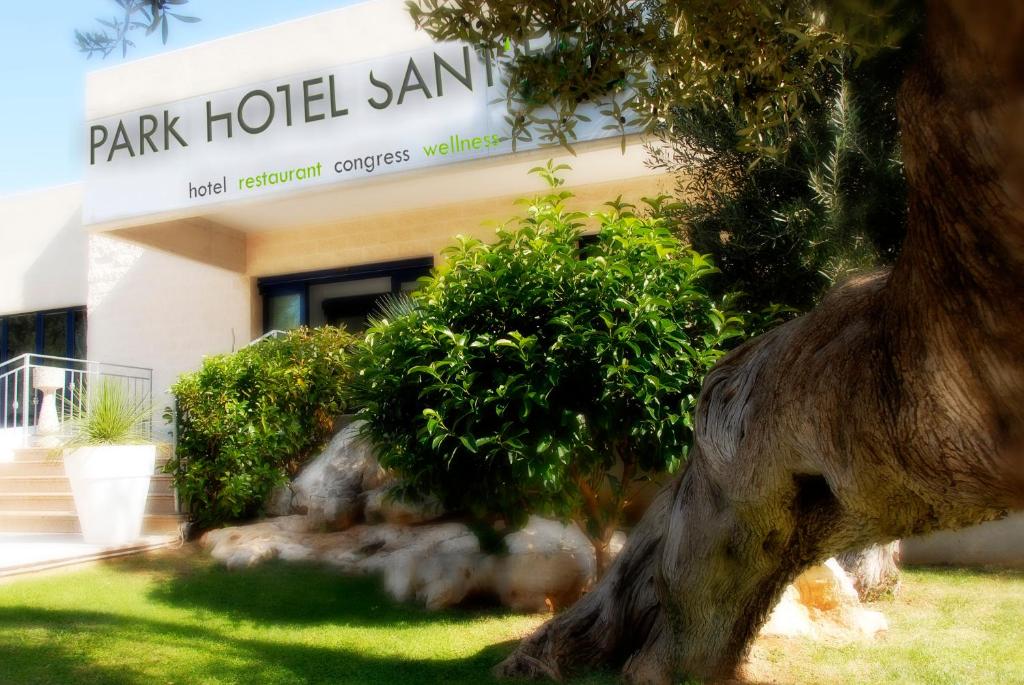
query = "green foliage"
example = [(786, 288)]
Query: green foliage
[(525, 370), (108, 414), (779, 117), (132, 15), (759, 59), (249, 420), (784, 229)]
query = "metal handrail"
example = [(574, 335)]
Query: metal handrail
[(28, 412), (275, 333), (21, 357)]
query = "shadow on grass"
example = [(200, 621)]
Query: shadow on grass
[(279, 623), (280, 593), (220, 657)]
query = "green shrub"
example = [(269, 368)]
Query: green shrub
[(249, 420), (533, 375)]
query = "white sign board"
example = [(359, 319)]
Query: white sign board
[(384, 116)]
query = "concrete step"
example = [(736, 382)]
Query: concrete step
[(159, 485), (67, 522), (41, 467), (25, 553), (46, 467), (48, 501), (35, 454), (163, 454)]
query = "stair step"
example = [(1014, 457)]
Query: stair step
[(14, 484), (35, 454), (159, 485), (67, 522), (48, 501), (40, 467), (46, 467)]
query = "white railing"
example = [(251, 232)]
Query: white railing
[(38, 392), (269, 335)]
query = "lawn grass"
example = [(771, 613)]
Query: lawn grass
[(177, 618), (946, 627)]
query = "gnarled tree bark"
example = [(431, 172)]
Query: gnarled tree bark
[(894, 408)]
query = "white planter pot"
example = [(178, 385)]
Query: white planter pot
[(110, 485)]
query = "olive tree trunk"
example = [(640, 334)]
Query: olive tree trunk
[(894, 408)]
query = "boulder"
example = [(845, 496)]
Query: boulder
[(789, 618), (548, 566), (244, 546), (826, 587), (822, 602), (381, 505), (280, 501), (329, 488), (441, 573)]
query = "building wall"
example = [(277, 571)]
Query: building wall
[(998, 543), (157, 310), (42, 250), (414, 233)]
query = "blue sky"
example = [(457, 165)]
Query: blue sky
[(43, 76)]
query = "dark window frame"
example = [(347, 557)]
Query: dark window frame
[(398, 271), (40, 317)]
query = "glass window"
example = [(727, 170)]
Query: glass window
[(21, 335), (78, 351), (45, 333), (351, 312), (346, 302), (337, 297), (55, 334), (284, 311)]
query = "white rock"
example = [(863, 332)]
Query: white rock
[(790, 618), (294, 552), (250, 555), (447, 577), (244, 546), (280, 501), (616, 544), (822, 602), (826, 587), (328, 489), (380, 505), (549, 566), (428, 562)]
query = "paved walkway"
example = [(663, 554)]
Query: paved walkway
[(29, 552)]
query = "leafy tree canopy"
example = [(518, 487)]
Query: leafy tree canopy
[(783, 229), (761, 60), (147, 16), (777, 117)]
